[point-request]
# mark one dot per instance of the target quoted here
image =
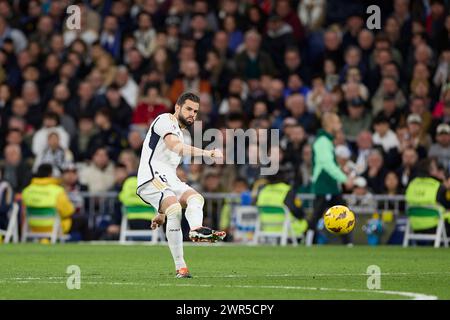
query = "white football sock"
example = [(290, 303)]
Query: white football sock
[(194, 211), (175, 235)]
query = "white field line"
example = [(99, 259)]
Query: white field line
[(412, 295), (360, 274)]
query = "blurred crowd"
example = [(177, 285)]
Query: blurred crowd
[(82, 99)]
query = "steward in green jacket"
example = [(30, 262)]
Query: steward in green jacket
[(278, 193), (427, 190)]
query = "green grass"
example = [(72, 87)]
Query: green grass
[(34, 271)]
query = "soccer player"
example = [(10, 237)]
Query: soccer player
[(159, 186)]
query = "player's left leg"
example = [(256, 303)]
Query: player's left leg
[(193, 202)]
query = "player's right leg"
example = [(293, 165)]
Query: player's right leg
[(168, 207)]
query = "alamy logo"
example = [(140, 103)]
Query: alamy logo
[(374, 280), (258, 147), (73, 21), (74, 279), (374, 20)]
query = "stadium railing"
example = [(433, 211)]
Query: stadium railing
[(101, 206)]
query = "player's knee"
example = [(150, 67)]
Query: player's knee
[(174, 210), (195, 200)]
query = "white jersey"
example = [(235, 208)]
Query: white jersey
[(155, 155)]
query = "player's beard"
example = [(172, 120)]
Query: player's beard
[(184, 122)]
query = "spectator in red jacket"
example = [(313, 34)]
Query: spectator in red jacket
[(149, 107)]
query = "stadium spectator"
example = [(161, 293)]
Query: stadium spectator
[(295, 141), (7, 32), (16, 136), (305, 168), (120, 111), (6, 200), (392, 184), (73, 187), (190, 81), (278, 38), (296, 108), (149, 107), (364, 198), (54, 155), (135, 141), (252, 62), (15, 170), (109, 135), (67, 122), (129, 160), (128, 88), (387, 88), (418, 135), (145, 34), (417, 106), (376, 171), (441, 149), (408, 168), (442, 74), (383, 135), (50, 123), (284, 10), (69, 181), (110, 36), (390, 111), (357, 120), (98, 175), (312, 14)]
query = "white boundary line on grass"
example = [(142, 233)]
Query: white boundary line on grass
[(413, 295)]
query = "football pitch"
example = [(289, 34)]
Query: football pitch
[(34, 271)]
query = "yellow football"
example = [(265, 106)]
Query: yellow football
[(339, 220)]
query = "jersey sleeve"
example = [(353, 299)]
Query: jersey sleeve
[(164, 125)]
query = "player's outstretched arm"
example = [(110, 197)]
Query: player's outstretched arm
[(174, 144)]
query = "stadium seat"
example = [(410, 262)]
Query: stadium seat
[(42, 223), (243, 223), (139, 213), (275, 222), (426, 211), (11, 231)]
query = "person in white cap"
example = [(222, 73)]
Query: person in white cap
[(416, 132), (441, 149), (363, 198)]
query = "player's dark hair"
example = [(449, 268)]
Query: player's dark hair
[(187, 96), (44, 171)]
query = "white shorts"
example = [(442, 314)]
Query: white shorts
[(165, 184)]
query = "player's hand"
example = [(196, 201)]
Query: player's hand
[(215, 154), (158, 220)]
